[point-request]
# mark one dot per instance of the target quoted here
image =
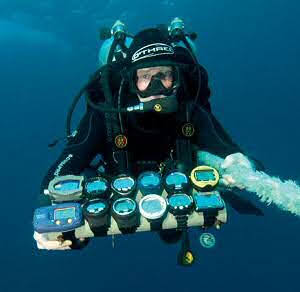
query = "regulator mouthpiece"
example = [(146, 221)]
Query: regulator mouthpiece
[(166, 105)]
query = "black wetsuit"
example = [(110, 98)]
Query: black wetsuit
[(151, 138)]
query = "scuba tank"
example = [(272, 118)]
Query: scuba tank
[(115, 44), (181, 39)]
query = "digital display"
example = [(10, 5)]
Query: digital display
[(152, 206), (96, 186), (123, 183), (67, 186), (208, 201), (96, 207), (124, 206), (150, 180), (205, 175), (179, 200), (176, 179), (65, 213)]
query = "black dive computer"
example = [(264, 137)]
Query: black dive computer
[(97, 214), (175, 182), (181, 206), (123, 186), (125, 213), (96, 187), (149, 182)]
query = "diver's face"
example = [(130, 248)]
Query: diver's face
[(145, 75)]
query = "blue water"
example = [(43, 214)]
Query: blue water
[(251, 51)]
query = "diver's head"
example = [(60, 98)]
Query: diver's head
[(155, 82), (155, 65)]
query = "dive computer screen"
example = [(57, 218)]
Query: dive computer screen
[(205, 175), (150, 180), (176, 179), (65, 213), (152, 206), (124, 206), (179, 200), (123, 184), (95, 208), (67, 185), (96, 186)]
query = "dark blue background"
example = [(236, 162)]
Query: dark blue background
[(251, 51)]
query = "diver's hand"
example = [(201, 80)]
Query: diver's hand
[(43, 242), (234, 160), (237, 159)]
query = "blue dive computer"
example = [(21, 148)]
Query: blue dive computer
[(58, 218)]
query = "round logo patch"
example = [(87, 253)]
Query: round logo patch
[(157, 108), (188, 130), (121, 141)]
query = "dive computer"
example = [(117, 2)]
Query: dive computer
[(153, 207)]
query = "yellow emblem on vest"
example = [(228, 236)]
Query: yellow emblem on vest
[(121, 141), (158, 108), (188, 130)]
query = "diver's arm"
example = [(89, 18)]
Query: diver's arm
[(79, 152), (226, 137), (212, 137)]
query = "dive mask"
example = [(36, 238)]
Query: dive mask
[(161, 83)]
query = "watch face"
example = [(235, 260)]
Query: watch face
[(96, 208), (152, 206), (96, 186), (149, 179), (67, 186), (123, 185), (176, 180), (124, 206), (180, 204), (179, 200), (149, 182)]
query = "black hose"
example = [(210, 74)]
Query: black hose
[(75, 101), (71, 110), (112, 51)]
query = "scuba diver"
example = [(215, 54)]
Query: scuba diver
[(148, 108)]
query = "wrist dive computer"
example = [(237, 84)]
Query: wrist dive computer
[(125, 213), (181, 206), (153, 207), (204, 177), (97, 214)]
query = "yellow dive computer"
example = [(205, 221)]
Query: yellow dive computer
[(204, 177)]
